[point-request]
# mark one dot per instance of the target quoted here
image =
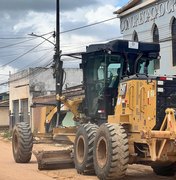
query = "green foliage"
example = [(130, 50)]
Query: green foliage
[(7, 134)]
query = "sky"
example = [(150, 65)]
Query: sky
[(18, 19)]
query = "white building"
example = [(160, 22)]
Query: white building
[(4, 110), (152, 21), (34, 82)]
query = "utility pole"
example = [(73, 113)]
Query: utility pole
[(58, 63), (58, 27)]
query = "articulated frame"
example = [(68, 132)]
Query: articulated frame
[(162, 143), (72, 105)]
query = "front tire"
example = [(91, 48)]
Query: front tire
[(83, 148), (22, 142), (111, 153)]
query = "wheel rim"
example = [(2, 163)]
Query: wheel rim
[(15, 142), (80, 149), (101, 152)]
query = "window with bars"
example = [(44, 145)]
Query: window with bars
[(174, 42), (156, 39)]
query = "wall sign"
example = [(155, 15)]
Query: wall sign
[(141, 17)]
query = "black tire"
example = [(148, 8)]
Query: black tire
[(111, 152), (83, 148), (22, 142), (164, 170)]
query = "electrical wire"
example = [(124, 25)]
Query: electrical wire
[(83, 27), (166, 39), (23, 54), (77, 28), (14, 38), (88, 25), (67, 31), (39, 60), (10, 45), (27, 37), (34, 72), (37, 71), (15, 54), (119, 37)]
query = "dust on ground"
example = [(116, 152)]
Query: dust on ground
[(14, 171)]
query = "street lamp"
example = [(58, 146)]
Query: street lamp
[(57, 63), (42, 36)]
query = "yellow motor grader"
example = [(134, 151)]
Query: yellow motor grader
[(127, 114)]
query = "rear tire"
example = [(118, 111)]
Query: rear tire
[(22, 142), (164, 170), (83, 148), (111, 153)]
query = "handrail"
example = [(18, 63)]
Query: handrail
[(142, 99), (131, 97)]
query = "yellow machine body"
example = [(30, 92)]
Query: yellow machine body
[(136, 105), (136, 111)]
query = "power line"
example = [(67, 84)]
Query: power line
[(23, 54), (146, 37), (25, 37), (92, 25), (40, 59), (119, 37), (74, 30), (10, 45), (11, 38), (162, 27), (63, 32), (15, 54), (70, 30), (35, 73), (89, 25)]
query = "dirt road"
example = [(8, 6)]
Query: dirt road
[(9, 170)]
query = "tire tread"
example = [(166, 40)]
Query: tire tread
[(118, 163), (87, 167), (23, 132)]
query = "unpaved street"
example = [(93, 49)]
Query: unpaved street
[(9, 170)]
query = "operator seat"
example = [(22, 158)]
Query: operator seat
[(115, 80)]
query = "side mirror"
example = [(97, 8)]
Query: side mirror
[(159, 57)]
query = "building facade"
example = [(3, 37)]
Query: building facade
[(26, 85), (152, 21), (4, 110)]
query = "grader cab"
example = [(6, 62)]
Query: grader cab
[(126, 115)]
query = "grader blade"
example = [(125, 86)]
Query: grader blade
[(48, 160)]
